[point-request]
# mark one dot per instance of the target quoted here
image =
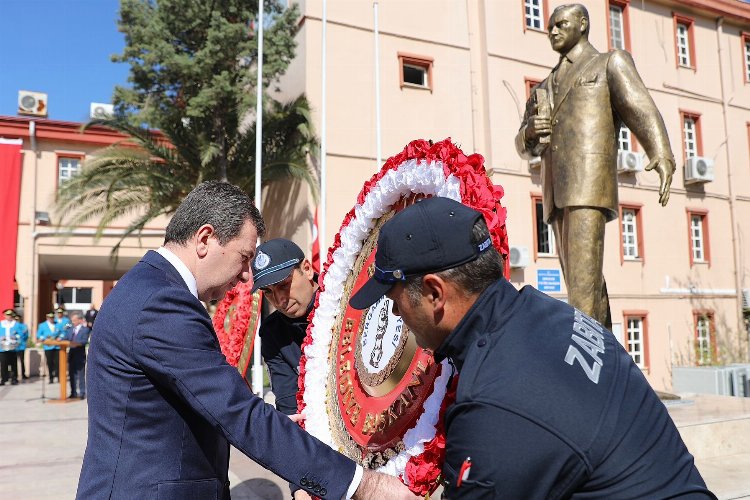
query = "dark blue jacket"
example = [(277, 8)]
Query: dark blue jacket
[(549, 405), (164, 404), (281, 347)]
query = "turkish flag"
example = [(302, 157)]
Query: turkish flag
[(315, 244), (10, 195)]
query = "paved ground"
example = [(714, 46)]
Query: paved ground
[(42, 444)]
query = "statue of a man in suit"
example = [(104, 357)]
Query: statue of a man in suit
[(572, 121)]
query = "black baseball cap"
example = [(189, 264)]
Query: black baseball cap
[(274, 261), (430, 236)]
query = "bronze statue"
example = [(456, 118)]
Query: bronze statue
[(572, 121)]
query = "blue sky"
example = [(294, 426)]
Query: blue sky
[(62, 48)]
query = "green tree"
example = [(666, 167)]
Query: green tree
[(190, 110)]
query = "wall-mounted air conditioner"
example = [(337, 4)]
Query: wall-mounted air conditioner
[(101, 110), (699, 169), (629, 161), (32, 103), (519, 257)]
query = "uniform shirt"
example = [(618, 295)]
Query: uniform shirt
[(281, 342), (10, 330), (23, 330), (62, 325), (45, 331), (549, 405)]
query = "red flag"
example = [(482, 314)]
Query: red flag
[(315, 244), (10, 195)]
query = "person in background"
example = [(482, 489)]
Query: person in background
[(62, 322), (46, 331), (79, 337), (10, 337), (90, 316), (288, 281), (21, 350)]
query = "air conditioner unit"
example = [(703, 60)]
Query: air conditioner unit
[(101, 110), (629, 161), (699, 169), (32, 103), (519, 257), (745, 299)]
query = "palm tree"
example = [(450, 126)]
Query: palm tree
[(148, 174)]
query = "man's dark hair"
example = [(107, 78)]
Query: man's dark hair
[(473, 277), (225, 206)]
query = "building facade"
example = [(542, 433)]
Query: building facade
[(54, 265), (675, 274)]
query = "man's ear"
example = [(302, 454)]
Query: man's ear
[(584, 25), (307, 269), (434, 289), (202, 239)]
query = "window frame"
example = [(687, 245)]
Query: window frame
[(703, 213), (643, 316), (530, 83), (424, 62), (544, 7), (689, 23), (537, 198), (66, 155), (633, 140), (638, 209), (696, 117), (745, 42), (623, 5), (709, 315)]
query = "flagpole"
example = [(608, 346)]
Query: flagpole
[(377, 86), (257, 374), (323, 141)]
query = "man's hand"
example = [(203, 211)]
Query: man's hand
[(537, 126), (297, 417), (377, 485), (302, 495), (665, 167)]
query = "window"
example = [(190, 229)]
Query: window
[(631, 234), (67, 167), (415, 71), (691, 135), (76, 295), (625, 139), (535, 12), (543, 234), (619, 29), (746, 51), (684, 41), (636, 337), (705, 337), (530, 83), (698, 236)]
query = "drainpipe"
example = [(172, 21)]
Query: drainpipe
[(34, 269), (732, 215)]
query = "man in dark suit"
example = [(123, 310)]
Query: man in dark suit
[(79, 337), (289, 283), (574, 129), (90, 316), (164, 404)]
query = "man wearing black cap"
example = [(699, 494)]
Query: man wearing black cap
[(288, 281), (548, 403)]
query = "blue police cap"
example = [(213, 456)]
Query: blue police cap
[(274, 261), (430, 236)]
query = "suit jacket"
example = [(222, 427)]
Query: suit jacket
[(77, 355), (598, 93), (164, 404)]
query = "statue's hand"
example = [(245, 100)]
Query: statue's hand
[(665, 166), (537, 126)]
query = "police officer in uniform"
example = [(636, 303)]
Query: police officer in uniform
[(548, 403), (46, 331), (10, 336), (288, 281), (23, 330)]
